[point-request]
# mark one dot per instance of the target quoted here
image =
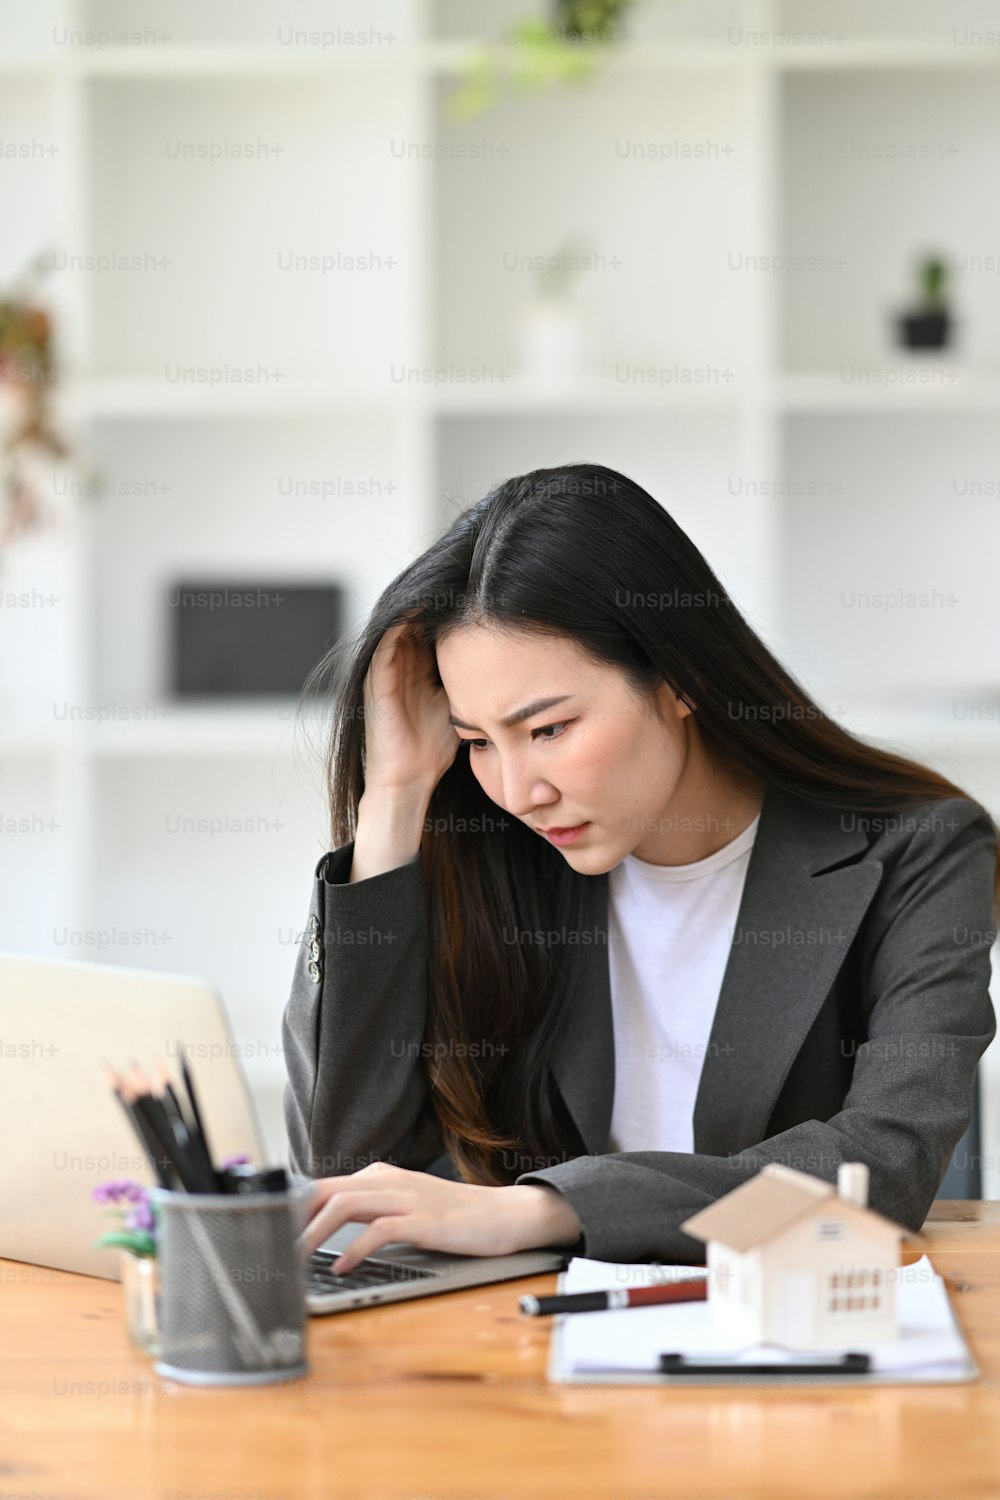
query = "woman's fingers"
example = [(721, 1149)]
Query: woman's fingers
[(404, 1227), (397, 1205), (355, 1205), (387, 1174)]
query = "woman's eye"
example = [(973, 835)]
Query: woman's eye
[(477, 746), (546, 727)]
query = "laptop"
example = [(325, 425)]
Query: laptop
[(64, 1132)]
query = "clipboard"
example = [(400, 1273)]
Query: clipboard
[(669, 1367)]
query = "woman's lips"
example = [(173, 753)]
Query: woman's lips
[(561, 836)]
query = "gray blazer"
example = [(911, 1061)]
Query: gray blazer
[(853, 1010)]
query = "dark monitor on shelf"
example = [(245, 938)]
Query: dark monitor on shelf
[(249, 639)]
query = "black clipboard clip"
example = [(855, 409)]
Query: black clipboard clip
[(844, 1364)]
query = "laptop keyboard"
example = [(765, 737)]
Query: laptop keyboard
[(369, 1272)]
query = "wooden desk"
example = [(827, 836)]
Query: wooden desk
[(445, 1399)]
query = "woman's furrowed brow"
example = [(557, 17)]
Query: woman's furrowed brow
[(519, 715)]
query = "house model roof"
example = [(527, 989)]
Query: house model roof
[(769, 1203)]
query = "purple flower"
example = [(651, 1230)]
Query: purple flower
[(115, 1192), (140, 1217), (136, 1215), (242, 1160)]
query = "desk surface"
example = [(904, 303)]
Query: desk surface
[(446, 1399)]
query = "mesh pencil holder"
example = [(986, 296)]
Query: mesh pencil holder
[(232, 1286)]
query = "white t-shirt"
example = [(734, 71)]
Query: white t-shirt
[(670, 930)]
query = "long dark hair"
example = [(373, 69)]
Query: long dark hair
[(578, 551)]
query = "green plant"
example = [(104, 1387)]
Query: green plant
[(558, 272), (932, 277), (538, 55), (135, 1212), (590, 18)]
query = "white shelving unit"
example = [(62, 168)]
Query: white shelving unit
[(762, 402)]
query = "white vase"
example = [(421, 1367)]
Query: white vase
[(553, 338)]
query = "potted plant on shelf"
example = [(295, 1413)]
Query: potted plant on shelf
[(928, 324), (130, 1205), (552, 325)]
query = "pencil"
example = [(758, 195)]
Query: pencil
[(222, 1185), (193, 1168), (149, 1131), (184, 1132), (149, 1143)]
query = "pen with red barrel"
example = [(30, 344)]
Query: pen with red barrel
[(692, 1289)]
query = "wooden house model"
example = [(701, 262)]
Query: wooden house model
[(795, 1262)]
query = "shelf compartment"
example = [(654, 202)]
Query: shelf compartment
[(878, 606), (875, 170), (314, 290), (658, 162), (293, 500)]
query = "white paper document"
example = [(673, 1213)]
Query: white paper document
[(627, 1344)]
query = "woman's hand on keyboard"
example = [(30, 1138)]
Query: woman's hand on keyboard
[(434, 1213)]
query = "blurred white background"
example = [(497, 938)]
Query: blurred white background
[(304, 308)]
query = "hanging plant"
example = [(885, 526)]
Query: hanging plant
[(592, 20), (538, 55)]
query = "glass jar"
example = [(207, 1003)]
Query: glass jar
[(140, 1286)]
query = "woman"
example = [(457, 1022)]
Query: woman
[(756, 939)]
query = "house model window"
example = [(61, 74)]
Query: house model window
[(855, 1291)]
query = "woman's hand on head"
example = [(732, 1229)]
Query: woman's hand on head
[(435, 1213), (408, 740)]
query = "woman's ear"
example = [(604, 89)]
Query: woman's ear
[(673, 701)]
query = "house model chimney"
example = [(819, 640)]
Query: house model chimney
[(852, 1182)]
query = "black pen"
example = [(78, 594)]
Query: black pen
[(688, 1289)]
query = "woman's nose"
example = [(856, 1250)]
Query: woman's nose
[(523, 791)]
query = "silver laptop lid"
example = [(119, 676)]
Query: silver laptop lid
[(62, 1131)]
